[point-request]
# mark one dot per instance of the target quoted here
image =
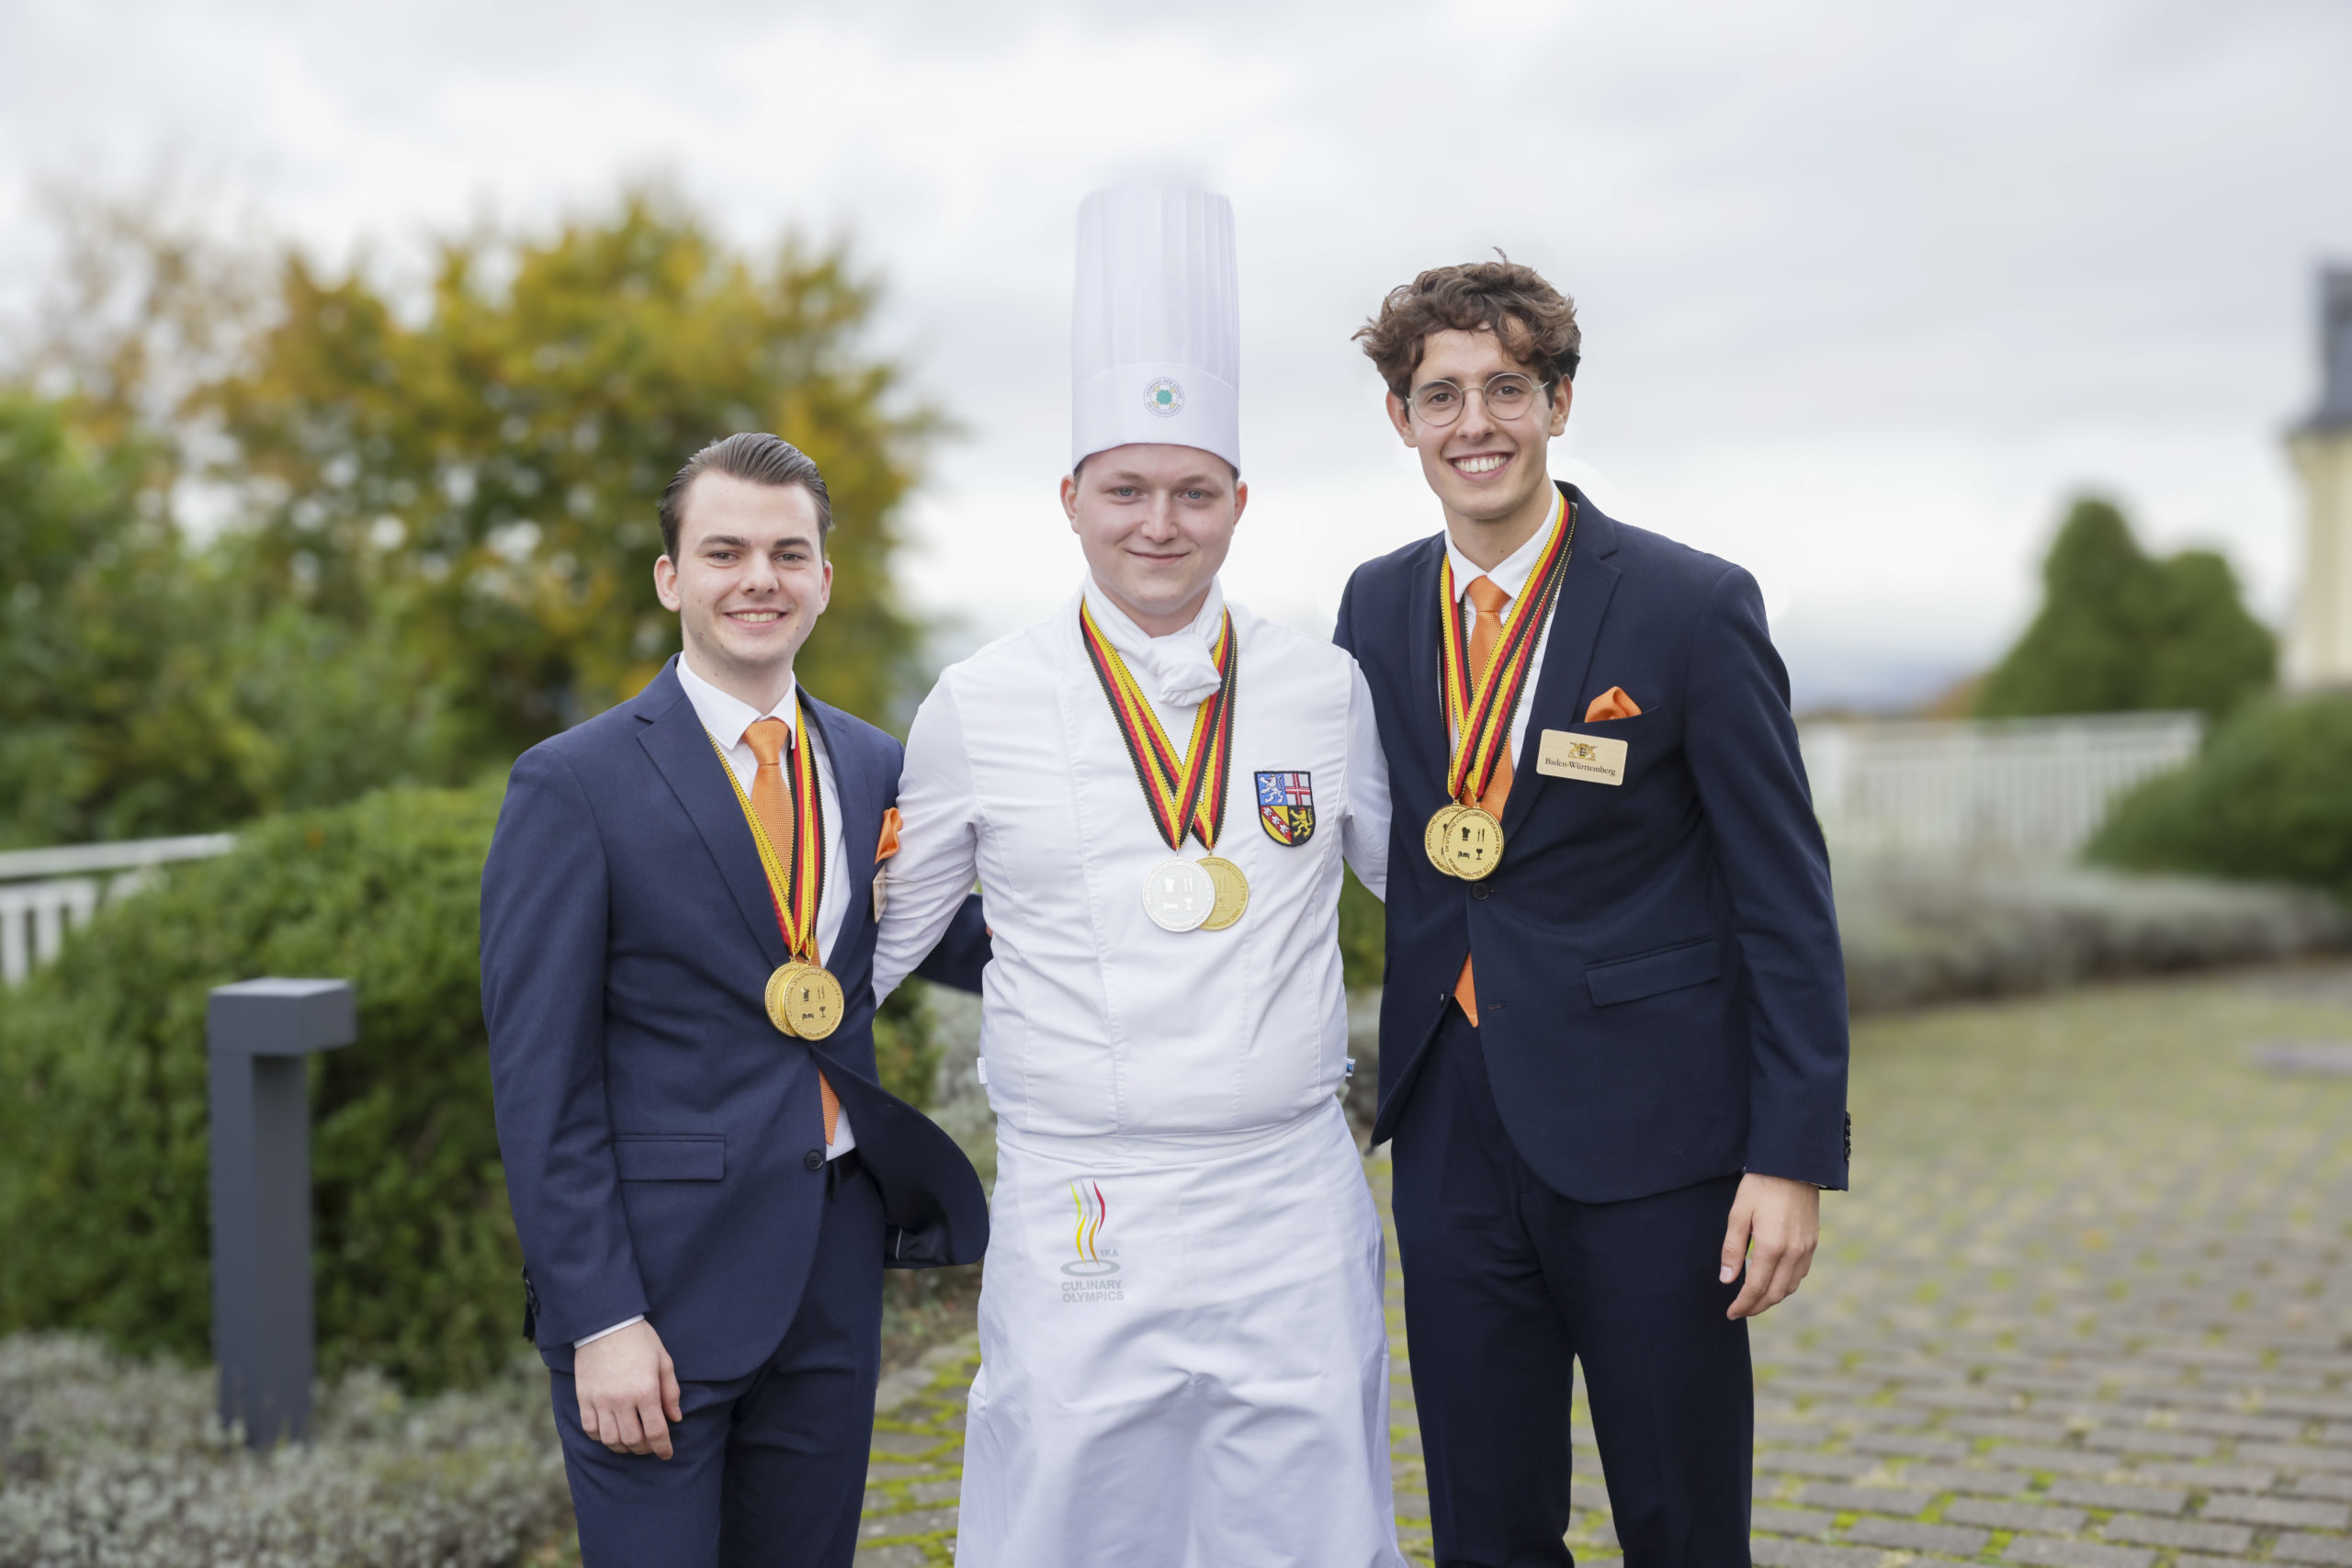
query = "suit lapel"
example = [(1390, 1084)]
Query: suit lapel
[(1568, 656), (1424, 701), (681, 749), (861, 824)]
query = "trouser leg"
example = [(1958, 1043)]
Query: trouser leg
[(639, 1511), (1491, 1355), (795, 1458), (1666, 1373)]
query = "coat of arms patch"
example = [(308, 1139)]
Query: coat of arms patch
[(1286, 807)]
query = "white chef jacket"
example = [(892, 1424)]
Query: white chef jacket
[(1095, 1020), (1510, 576), (728, 718)]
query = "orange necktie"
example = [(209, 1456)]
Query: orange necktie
[(769, 740), (1486, 630)]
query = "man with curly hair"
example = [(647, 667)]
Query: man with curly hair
[(1613, 1034)]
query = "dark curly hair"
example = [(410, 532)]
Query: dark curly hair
[(1535, 321)]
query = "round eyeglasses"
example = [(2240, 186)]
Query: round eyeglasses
[(1508, 394)]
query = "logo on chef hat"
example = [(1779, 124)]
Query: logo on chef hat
[(1093, 1214), (1165, 398)]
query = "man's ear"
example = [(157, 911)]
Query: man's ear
[(1240, 498), (1069, 500), (1562, 396), (665, 582), (1402, 418)]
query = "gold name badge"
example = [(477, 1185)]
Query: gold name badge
[(1592, 758)]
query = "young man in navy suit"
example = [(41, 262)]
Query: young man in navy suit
[(677, 951), (1613, 1031)]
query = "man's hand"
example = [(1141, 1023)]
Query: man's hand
[(627, 1386), (1782, 1219)]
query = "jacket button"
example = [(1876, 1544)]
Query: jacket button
[(1477, 891), (814, 1159)]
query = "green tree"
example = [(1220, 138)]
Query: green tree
[(146, 687), (435, 528), (2120, 631), (70, 539), (484, 476)]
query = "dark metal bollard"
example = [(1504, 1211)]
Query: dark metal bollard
[(259, 1033)]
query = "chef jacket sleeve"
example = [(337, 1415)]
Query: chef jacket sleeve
[(1365, 834), (931, 875)]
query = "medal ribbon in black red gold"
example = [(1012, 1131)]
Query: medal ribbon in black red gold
[(795, 889), (1184, 793), (1480, 713)]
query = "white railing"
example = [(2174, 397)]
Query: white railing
[(2013, 791), (45, 892)]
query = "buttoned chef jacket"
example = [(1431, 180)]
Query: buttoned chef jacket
[(1094, 1019), (728, 720)]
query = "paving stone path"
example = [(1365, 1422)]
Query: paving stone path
[(2089, 1306)]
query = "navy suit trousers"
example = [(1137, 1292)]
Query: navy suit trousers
[(1507, 1283), (767, 1470)]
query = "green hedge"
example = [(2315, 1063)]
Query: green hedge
[(1364, 934), (103, 1153), (2270, 800)]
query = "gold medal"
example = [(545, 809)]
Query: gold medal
[(778, 992), (1463, 840), (801, 997), (1232, 892), (812, 1002), (1435, 837), (1474, 843)]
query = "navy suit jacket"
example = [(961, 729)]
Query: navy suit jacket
[(663, 1143), (1661, 993)]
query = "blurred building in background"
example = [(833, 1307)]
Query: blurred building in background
[(2319, 643)]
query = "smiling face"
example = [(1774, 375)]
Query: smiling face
[(1489, 474), (1155, 522), (748, 581)]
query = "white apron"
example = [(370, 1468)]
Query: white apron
[(1184, 1356)]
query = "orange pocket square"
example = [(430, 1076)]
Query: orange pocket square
[(1612, 704), (891, 822)]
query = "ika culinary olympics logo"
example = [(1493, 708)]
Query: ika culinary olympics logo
[(1165, 398), (1093, 1214), (1286, 807)]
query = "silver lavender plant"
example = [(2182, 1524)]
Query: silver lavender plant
[(107, 1462)]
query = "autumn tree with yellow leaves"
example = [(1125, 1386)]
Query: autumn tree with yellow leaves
[(431, 525)]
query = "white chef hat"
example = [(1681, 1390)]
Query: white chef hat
[(1156, 328)]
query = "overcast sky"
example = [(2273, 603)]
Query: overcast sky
[(1869, 289)]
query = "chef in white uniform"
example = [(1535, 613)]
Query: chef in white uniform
[(1184, 1359)]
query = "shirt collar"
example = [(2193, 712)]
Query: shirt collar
[(1511, 575), (728, 716)]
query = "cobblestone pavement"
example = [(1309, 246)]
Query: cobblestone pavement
[(2089, 1306)]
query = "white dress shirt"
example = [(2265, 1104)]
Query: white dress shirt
[(1510, 576), (1095, 1020), (728, 720)]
